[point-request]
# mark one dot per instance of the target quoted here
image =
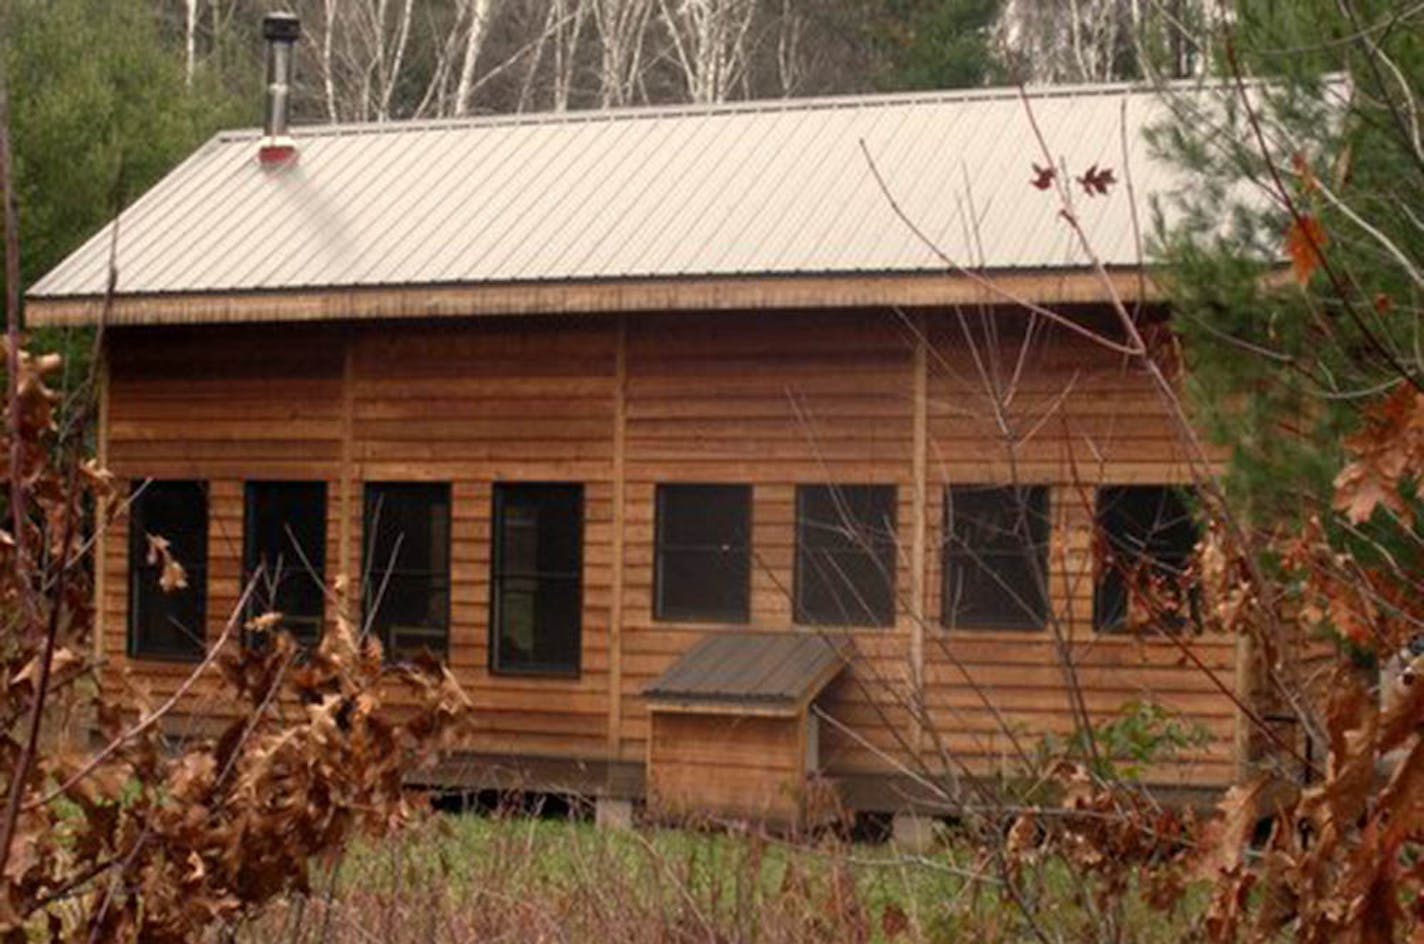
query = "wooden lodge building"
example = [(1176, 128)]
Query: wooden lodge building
[(707, 474)]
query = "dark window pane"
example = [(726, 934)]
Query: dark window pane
[(536, 578), (1146, 534), (704, 515), (995, 557), (408, 524), (168, 624), (407, 569), (703, 585), (414, 609), (845, 517), (535, 535), (703, 567), (845, 555), (284, 552)]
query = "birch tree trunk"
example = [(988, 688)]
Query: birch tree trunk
[(476, 29), (190, 39), (709, 43), (622, 29), (402, 38), (568, 29), (328, 79)]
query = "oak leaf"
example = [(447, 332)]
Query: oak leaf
[(1305, 242), (1096, 181), (173, 577)]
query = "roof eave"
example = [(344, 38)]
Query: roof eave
[(696, 293)]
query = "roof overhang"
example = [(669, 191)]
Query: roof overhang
[(1010, 288), (767, 673)]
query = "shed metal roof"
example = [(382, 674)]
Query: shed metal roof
[(776, 670), (776, 188), (762, 187)]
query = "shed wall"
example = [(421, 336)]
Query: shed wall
[(622, 404)]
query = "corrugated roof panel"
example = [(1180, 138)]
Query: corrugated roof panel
[(462, 205), (493, 203), (448, 156), (573, 195), (639, 224), (750, 189), (763, 180), (782, 669), (796, 232), (635, 166), (910, 156)]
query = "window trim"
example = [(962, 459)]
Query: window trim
[(138, 553), (871, 621), (1120, 626), (249, 514), (1040, 501), (367, 565), (498, 493), (743, 615)]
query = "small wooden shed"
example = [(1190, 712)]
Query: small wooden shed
[(667, 431), (732, 732)]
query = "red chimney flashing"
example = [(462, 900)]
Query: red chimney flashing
[(275, 156)]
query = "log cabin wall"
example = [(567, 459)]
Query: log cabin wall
[(622, 403)]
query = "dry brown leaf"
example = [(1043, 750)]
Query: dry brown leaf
[(173, 577), (1304, 242), (1225, 837)]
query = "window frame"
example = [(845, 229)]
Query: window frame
[(135, 646), (373, 584), (499, 498), (1102, 579), (1026, 613), (250, 488), (661, 546), (886, 557)]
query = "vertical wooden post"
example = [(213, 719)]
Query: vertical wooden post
[(1241, 733), (347, 484), (615, 608), (101, 539), (920, 505)]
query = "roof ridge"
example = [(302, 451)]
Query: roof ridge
[(751, 106)]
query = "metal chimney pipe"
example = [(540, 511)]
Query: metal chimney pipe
[(281, 31)]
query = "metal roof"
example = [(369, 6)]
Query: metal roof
[(763, 188), (757, 669)]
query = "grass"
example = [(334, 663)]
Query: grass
[(472, 877)]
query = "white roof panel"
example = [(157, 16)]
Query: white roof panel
[(762, 188)]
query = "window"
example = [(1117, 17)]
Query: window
[(168, 624), (845, 555), (536, 583), (995, 556), (1146, 533), (407, 567), (284, 553), (702, 570)]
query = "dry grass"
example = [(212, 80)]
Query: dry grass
[(512, 878)]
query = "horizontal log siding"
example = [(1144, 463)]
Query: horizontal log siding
[(800, 399), (522, 402), (770, 400), (1056, 409), (725, 766)]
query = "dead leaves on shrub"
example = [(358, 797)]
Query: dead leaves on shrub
[(1339, 866), (149, 843), (1388, 452)]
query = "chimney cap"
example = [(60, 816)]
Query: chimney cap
[(281, 27)]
